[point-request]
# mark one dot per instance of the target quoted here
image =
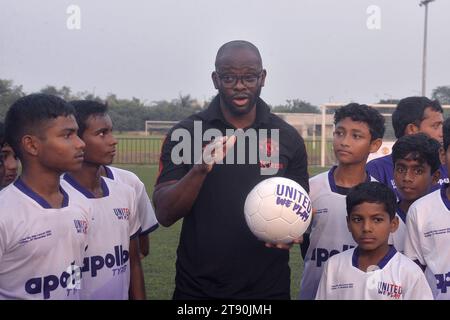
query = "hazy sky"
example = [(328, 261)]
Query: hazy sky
[(315, 50)]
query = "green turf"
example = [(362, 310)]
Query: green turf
[(159, 266)]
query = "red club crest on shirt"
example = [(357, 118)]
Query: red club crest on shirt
[(267, 146)]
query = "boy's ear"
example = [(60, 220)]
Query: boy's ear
[(411, 128), (375, 145), (30, 145), (435, 177), (348, 223), (394, 224)]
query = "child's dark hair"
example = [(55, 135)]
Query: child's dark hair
[(86, 108), (362, 113), (446, 133), (372, 192), (29, 114), (411, 110), (419, 147)]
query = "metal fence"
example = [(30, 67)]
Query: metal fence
[(146, 150)]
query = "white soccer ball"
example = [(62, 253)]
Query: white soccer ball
[(278, 210)]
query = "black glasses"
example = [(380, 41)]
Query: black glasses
[(230, 80)]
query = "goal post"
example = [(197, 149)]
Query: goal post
[(158, 126)]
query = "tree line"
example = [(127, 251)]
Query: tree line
[(130, 114)]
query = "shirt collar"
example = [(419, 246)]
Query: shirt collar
[(36, 197), (388, 256)]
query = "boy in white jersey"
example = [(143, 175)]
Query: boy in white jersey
[(145, 210), (416, 169), (358, 132), (412, 115), (8, 161), (42, 229), (428, 232), (373, 270), (112, 267)]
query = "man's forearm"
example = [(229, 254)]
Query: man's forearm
[(137, 286), (174, 200)]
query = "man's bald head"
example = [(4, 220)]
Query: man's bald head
[(233, 46)]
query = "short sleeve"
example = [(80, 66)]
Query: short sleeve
[(135, 225), (412, 241), (420, 289), (145, 211)]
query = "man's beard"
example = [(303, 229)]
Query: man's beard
[(239, 111)]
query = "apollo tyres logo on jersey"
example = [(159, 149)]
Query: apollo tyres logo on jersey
[(442, 281), (69, 280), (321, 255), (117, 262)]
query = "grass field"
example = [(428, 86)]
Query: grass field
[(159, 266)]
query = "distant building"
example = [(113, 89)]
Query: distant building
[(309, 125)]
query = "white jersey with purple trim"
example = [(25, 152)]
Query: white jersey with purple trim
[(145, 210), (397, 239), (106, 266), (394, 278), (428, 239), (329, 234), (41, 248)]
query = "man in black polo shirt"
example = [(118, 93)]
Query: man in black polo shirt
[(218, 257)]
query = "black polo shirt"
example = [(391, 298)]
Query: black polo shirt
[(218, 257)]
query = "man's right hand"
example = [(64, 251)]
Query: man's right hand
[(215, 152), (174, 199)]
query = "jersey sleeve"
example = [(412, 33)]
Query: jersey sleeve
[(322, 292), (420, 289), (145, 211), (135, 225), (413, 248)]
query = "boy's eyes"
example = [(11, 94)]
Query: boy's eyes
[(400, 169), (358, 219), (436, 125), (69, 134), (103, 133), (354, 135), (416, 171)]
